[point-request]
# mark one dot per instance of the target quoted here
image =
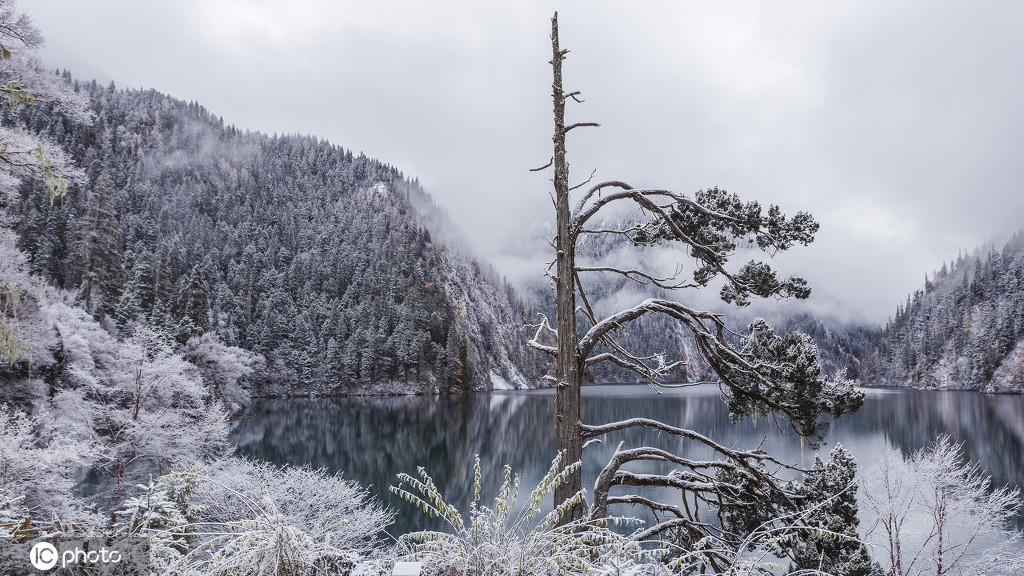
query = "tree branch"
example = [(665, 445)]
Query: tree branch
[(544, 167), (580, 215), (581, 125), (573, 95), (535, 341), (640, 277), (625, 231), (691, 317), (589, 431), (585, 182)]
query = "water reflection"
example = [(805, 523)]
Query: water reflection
[(372, 439)]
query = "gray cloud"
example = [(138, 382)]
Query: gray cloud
[(898, 125)]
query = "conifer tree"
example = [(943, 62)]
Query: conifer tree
[(763, 373), (99, 249), (832, 544)]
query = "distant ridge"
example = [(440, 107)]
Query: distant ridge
[(963, 330)]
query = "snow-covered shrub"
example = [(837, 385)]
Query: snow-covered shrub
[(260, 519), (223, 367), (496, 541), (37, 473), (164, 515)]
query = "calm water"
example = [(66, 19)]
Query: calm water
[(372, 439)]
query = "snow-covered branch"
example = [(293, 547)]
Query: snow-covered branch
[(543, 328), (692, 318), (581, 125), (706, 480), (641, 277), (24, 82), (582, 213)]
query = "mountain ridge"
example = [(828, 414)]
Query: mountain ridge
[(964, 330), (320, 260)]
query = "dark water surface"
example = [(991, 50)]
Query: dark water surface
[(372, 439)]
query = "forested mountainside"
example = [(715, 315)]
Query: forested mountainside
[(315, 258), (964, 330)]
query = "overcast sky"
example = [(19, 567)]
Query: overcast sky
[(900, 126)]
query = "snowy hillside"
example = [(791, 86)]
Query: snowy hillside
[(319, 260), (964, 330)]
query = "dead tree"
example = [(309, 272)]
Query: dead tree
[(759, 372)]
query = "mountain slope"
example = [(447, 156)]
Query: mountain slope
[(964, 330), (288, 246)]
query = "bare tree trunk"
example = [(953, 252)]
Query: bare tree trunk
[(568, 369), (122, 467)]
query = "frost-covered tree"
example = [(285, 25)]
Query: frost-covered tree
[(832, 543), (759, 372), (28, 348), (224, 368), (14, 281), (936, 514), (22, 82), (137, 399), (99, 248)]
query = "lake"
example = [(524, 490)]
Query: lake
[(372, 439)]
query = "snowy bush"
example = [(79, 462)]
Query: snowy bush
[(37, 473), (223, 367), (497, 541), (257, 518)]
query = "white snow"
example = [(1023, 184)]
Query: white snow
[(499, 383)]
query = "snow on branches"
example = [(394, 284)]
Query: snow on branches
[(22, 82), (934, 513)]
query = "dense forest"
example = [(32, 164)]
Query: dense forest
[(319, 260), (963, 330)]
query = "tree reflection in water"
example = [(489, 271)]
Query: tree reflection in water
[(372, 439)]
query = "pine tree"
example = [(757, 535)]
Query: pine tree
[(832, 544), (192, 303)]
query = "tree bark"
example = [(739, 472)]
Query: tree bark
[(568, 370)]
